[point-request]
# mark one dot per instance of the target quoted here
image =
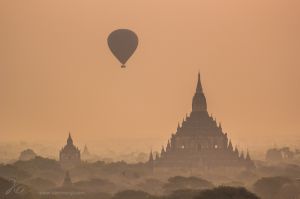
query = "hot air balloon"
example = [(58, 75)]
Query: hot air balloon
[(122, 43)]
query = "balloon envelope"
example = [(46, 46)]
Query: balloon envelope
[(122, 43)]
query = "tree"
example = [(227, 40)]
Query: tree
[(132, 194), (269, 187), (226, 193), (179, 183)]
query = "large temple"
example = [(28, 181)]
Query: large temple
[(200, 142)]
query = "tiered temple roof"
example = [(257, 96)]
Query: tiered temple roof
[(200, 141)]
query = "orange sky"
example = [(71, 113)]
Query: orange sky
[(57, 73)]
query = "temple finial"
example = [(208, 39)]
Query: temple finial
[(70, 140), (199, 85), (199, 100)]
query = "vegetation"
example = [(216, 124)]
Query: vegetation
[(226, 193), (276, 188), (179, 182)]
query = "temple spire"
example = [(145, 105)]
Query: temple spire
[(168, 146), (248, 156), (199, 85), (70, 140), (230, 147), (199, 100), (236, 151), (151, 157), (162, 151), (178, 126)]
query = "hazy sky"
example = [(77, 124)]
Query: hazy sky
[(58, 75)]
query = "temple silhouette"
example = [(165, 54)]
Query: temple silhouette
[(199, 142), (69, 155)]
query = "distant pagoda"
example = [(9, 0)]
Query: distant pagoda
[(67, 180), (200, 142), (69, 155), (85, 154)]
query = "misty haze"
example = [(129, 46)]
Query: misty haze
[(149, 99)]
